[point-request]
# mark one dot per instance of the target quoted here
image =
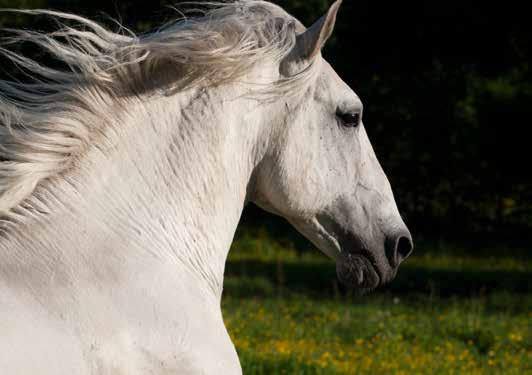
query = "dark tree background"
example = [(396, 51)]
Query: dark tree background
[(447, 90)]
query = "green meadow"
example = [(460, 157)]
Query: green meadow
[(451, 310)]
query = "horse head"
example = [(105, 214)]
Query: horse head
[(322, 175)]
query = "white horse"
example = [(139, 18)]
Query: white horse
[(124, 172)]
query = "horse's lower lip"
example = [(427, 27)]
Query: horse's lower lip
[(358, 271)]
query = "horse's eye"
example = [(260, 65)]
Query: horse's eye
[(349, 119)]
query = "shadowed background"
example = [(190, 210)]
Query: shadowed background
[(447, 91)]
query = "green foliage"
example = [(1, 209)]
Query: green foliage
[(447, 93), (468, 314), (11, 20)]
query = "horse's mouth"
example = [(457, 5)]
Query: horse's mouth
[(358, 270)]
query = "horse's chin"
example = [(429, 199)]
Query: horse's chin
[(357, 271)]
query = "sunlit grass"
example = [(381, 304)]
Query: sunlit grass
[(283, 324)]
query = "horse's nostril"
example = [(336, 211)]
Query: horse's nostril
[(403, 248), (398, 248)]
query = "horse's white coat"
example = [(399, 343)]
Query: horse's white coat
[(112, 262)]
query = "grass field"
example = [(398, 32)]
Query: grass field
[(451, 310)]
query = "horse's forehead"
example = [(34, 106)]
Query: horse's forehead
[(331, 85)]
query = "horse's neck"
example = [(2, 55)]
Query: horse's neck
[(165, 187)]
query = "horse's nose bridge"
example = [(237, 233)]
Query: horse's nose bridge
[(380, 210)]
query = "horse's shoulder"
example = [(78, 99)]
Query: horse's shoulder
[(30, 340)]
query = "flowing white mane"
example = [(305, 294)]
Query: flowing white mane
[(46, 123)]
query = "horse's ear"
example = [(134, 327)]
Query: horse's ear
[(310, 43)]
